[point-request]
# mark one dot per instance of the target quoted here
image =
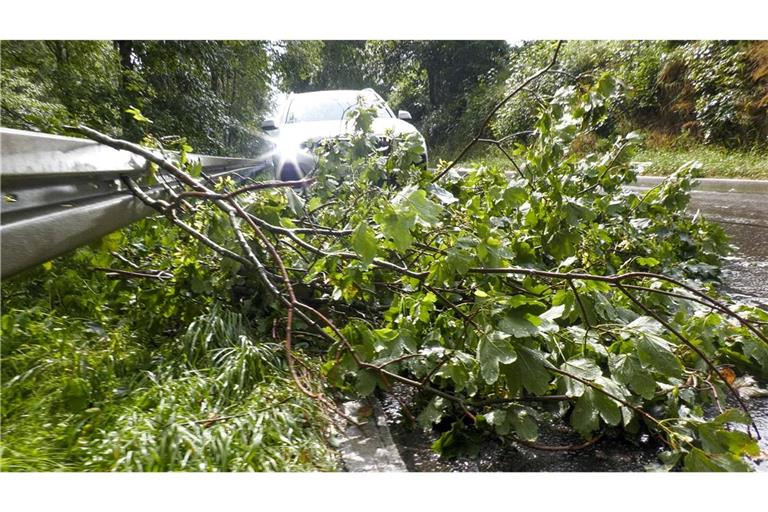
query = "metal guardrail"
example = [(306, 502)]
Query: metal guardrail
[(59, 193)]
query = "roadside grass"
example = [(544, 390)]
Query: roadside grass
[(716, 162), (214, 399), (97, 393)]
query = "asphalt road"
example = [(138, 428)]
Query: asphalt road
[(741, 207)]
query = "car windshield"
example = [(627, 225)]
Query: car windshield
[(326, 107)]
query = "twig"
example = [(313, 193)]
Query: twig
[(154, 274), (398, 359), (495, 109), (558, 448), (606, 171), (125, 260)]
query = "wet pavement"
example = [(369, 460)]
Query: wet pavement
[(745, 219), (741, 207), (611, 453)]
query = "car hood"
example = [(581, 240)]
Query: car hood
[(301, 132)]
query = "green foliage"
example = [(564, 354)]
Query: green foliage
[(103, 374), (316, 65), (56, 82), (712, 91), (719, 95), (364, 243), (213, 92), (449, 86), (25, 104)]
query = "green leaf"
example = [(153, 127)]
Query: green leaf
[(585, 416), (196, 170), (646, 324), (459, 260), (424, 307), (715, 439), (700, 461), (428, 211), (364, 243), (391, 343), (732, 416), (669, 460), (607, 407), (647, 262), (627, 370), (553, 313), (757, 351), (515, 194), (366, 382), (498, 419), (528, 371), (586, 369), (314, 203), (295, 202), (397, 227), (433, 412), (441, 194), (112, 241), (519, 324), (137, 115), (655, 352), (492, 350), (458, 441), (7, 324), (515, 418), (457, 372), (524, 424)]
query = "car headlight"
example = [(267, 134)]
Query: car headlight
[(293, 159)]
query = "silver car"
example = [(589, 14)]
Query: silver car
[(311, 117)]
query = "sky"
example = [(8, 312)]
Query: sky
[(394, 19)]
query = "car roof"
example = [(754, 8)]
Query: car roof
[(345, 94), (334, 92)]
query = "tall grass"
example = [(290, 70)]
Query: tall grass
[(82, 395), (717, 162)]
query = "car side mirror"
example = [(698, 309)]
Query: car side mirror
[(404, 115), (269, 124)]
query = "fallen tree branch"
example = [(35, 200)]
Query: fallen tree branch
[(264, 245)]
